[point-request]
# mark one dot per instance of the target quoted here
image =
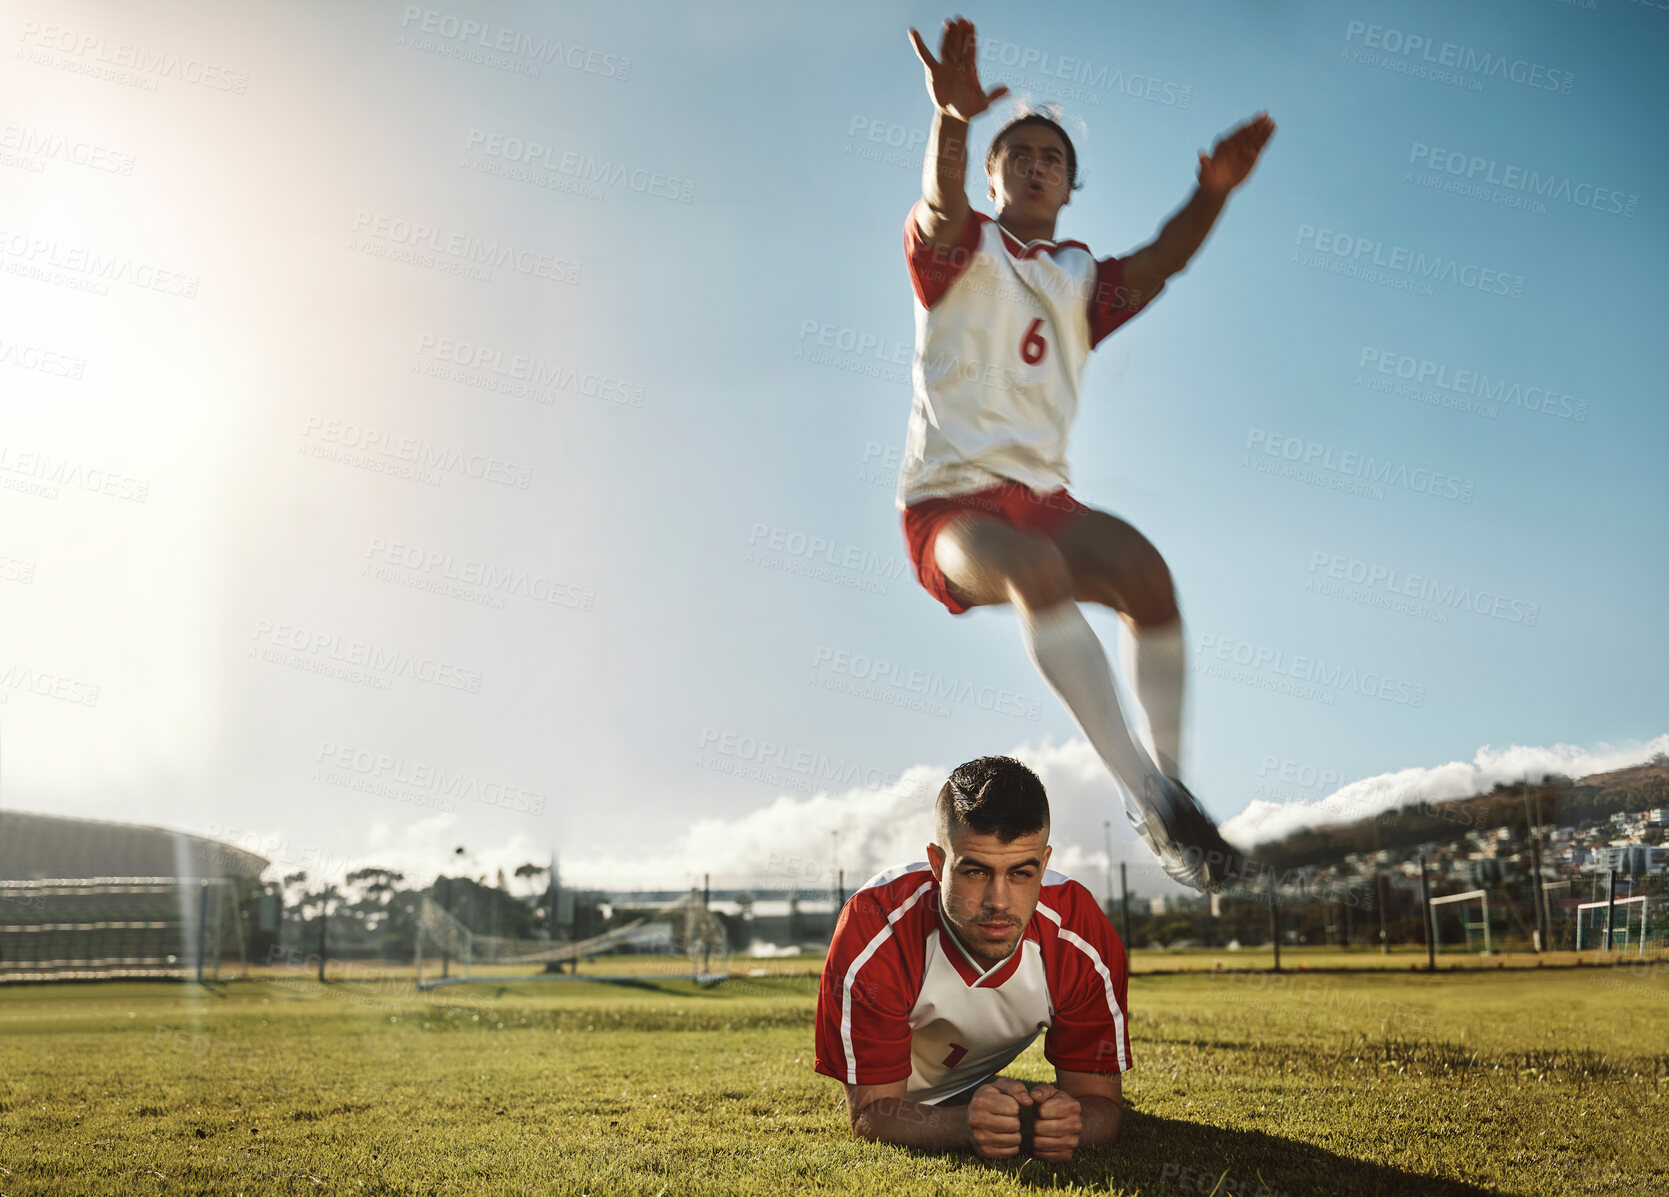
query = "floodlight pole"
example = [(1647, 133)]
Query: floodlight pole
[(1610, 904), (202, 926), (1536, 867), (1124, 904), (1107, 839), (1382, 885), (1426, 917), (1274, 919)]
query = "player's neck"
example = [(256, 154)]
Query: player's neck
[(1026, 232)]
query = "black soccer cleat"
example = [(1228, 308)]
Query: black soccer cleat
[(1189, 846)]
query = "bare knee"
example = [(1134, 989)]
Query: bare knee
[(1133, 579), (1151, 596)]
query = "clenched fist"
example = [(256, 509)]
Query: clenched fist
[(1057, 1125), (994, 1118)]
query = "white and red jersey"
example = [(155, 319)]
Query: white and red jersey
[(1002, 334), (902, 999)]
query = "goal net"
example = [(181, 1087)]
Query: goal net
[(89, 928), (1476, 932), (1622, 924), (444, 941)]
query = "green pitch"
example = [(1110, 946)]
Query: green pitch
[(1551, 1082)]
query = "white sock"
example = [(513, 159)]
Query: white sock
[(1066, 652), (1156, 668)]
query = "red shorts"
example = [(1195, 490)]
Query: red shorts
[(1011, 502)]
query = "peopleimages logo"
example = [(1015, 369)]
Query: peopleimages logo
[(1084, 74), (1393, 45), (1346, 248), (46, 145), (1460, 165), (518, 374), (96, 267), (417, 452), (498, 580), (288, 644), (465, 249), (95, 47), (806, 769), (1474, 384), (1350, 464), (1372, 577), (338, 764), (505, 40), (1307, 670), (586, 168), (883, 675)]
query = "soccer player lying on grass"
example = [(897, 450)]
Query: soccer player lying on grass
[(941, 973), (1006, 318)]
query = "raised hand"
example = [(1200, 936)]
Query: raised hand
[(953, 78), (994, 1118), (1059, 1123), (1233, 157)]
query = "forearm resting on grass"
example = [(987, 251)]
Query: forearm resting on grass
[(1102, 1117), (893, 1119)]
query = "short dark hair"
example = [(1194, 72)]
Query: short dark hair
[(1035, 118), (994, 795)]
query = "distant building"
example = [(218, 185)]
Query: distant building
[(1482, 870), (1628, 859), (36, 847)]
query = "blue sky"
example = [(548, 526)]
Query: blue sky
[(723, 322)]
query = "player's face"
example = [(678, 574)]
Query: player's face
[(1030, 173), (989, 888)]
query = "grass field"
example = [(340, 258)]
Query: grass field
[(1553, 1081)]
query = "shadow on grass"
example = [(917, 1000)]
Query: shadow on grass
[(1168, 1157)]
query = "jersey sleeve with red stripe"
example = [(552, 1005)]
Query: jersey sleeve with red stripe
[(871, 978), (933, 268), (1108, 302), (1089, 976)]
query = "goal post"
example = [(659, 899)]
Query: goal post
[(1616, 932), (1480, 895), (441, 933)]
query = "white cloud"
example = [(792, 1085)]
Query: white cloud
[(789, 840), (1263, 821)]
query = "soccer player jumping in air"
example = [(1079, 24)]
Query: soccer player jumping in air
[(1005, 320)]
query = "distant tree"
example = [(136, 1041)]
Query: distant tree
[(379, 884), (1174, 930), (530, 871)]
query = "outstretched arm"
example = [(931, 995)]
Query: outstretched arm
[(953, 83), (1221, 171)]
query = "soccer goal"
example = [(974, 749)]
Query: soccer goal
[(91, 928), (1472, 894), (442, 937), (1619, 935)]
